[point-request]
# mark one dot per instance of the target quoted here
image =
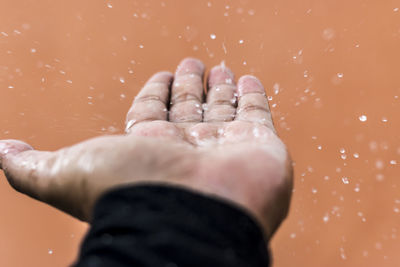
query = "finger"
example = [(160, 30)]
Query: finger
[(187, 92), (253, 103), (21, 165), (221, 99), (151, 102)]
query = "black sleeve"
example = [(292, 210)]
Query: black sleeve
[(165, 226)]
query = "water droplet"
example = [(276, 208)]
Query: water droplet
[(109, 5), (276, 87), (50, 251), (357, 188), (363, 118), (342, 254), (380, 177), (384, 119), (379, 164), (326, 218), (122, 80), (345, 180), (356, 155), (393, 162), (33, 50), (328, 34), (129, 125), (194, 134), (256, 132), (314, 190), (396, 9), (340, 75), (213, 36), (241, 41)]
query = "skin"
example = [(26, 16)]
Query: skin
[(221, 144)]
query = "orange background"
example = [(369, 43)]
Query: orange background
[(69, 69)]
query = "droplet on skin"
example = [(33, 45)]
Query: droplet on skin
[(129, 125), (256, 132), (326, 218), (356, 155), (194, 134), (345, 180), (241, 41), (213, 36), (122, 80), (50, 251), (109, 5), (393, 162)]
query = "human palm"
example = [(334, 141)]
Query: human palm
[(225, 147)]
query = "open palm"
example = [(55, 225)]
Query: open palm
[(225, 147)]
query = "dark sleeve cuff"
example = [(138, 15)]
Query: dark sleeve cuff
[(154, 225)]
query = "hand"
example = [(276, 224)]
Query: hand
[(226, 147)]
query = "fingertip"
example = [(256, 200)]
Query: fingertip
[(12, 147), (161, 77), (190, 65), (250, 84), (220, 74)]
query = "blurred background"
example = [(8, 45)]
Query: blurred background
[(69, 70)]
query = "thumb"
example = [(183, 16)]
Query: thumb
[(20, 163), (9, 148)]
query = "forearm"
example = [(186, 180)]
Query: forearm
[(168, 226)]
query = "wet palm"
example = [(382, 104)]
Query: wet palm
[(226, 147)]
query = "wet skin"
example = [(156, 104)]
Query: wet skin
[(222, 144)]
